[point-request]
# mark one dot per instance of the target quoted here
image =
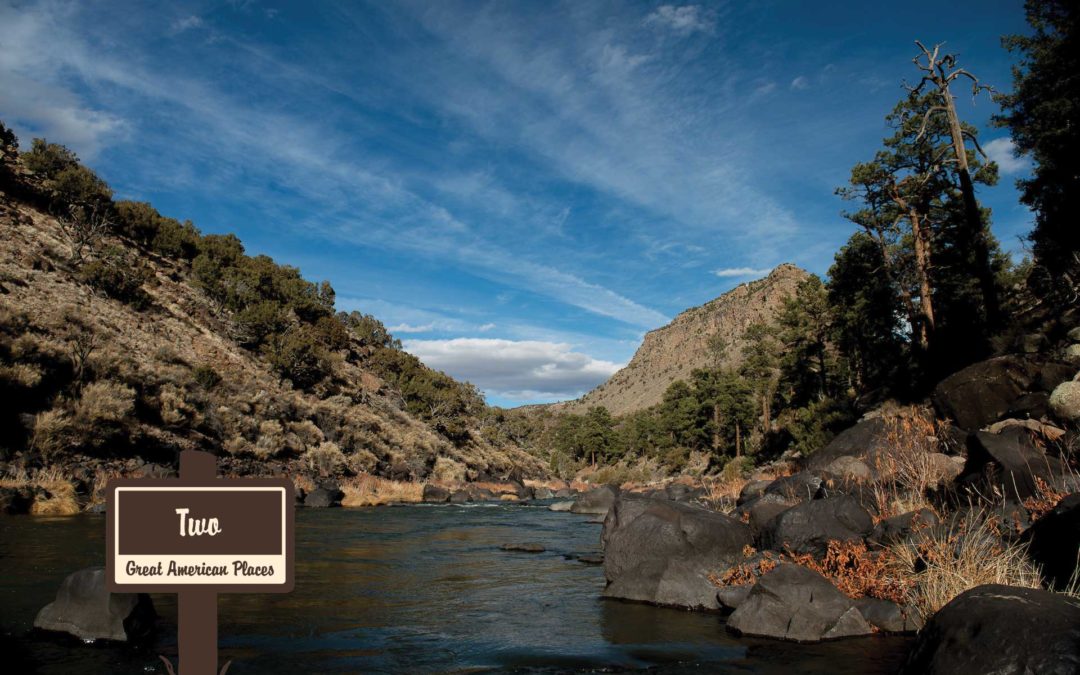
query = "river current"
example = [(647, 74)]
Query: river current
[(411, 589)]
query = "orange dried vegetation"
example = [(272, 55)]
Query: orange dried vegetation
[(857, 571)]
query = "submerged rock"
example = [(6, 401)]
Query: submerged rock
[(561, 506), (524, 548), (86, 609), (662, 552), (1003, 630), (794, 603)]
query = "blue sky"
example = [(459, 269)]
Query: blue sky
[(519, 190)]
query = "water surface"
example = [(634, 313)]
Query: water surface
[(411, 589)]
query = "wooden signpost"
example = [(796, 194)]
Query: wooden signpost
[(197, 536)]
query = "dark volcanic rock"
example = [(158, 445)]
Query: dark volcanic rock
[(1054, 541), (984, 392), (792, 602), (752, 490), (809, 527), (1009, 461), (435, 494), (860, 441), (801, 486), (324, 497), (596, 501), (1002, 630), (887, 616), (85, 609), (662, 552), (460, 497), (15, 501), (901, 527)]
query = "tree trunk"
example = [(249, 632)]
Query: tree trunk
[(716, 429), (984, 270), (905, 295), (922, 269), (738, 440)]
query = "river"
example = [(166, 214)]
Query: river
[(411, 589)]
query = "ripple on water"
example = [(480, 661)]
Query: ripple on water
[(413, 589)]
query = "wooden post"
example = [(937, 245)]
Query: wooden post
[(197, 627)]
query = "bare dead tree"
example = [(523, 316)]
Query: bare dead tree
[(941, 71), (84, 225)]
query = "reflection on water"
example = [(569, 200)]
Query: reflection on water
[(411, 589)]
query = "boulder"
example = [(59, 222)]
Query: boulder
[(1003, 630), (479, 494), (542, 492), (809, 527), (86, 609), (849, 469), (1009, 461), (798, 487), (887, 616), (860, 441), (901, 527), (752, 490), (1065, 402), (730, 597), (1054, 542), (763, 512), (596, 501), (794, 603), (564, 493), (1034, 405), (434, 494), (15, 501), (663, 552), (561, 506), (983, 392), (460, 497), (1072, 354), (324, 497)]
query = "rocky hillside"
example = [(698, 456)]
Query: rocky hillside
[(671, 353), (115, 353)]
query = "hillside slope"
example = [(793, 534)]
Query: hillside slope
[(672, 352), (86, 378)]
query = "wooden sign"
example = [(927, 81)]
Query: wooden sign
[(198, 536)]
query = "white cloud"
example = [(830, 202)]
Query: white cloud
[(186, 23), (686, 19), (727, 272), (800, 82), (516, 369), (1002, 152)]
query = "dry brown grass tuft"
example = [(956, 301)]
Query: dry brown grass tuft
[(859, 572), (1044, 500), (905, 465), (368, 490), (60, 499), (944, 562)]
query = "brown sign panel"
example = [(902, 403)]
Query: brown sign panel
[(169, 535)]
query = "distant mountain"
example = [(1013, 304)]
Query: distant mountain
[(671, 353)]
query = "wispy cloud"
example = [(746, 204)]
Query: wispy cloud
[(800, 83), (515, 369), (1002, 151), (728, 272), (685, 19), (186, 23)]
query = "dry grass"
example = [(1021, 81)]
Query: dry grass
[(1044, 500), (368, 490), (946, 561), (748, 572), (61, 499), (904, 464), (859, 572)]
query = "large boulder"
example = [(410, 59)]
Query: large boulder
[(860, 441), (434, 494), (86, 609), (663, 552), (596, 501), (1009, 462), (796, 487), (809, 527), (792, 602), (902, 527), (887, 616), (1002, 630), (1054, 542), (984, 392), (324, 497), (15, 500), (1065, 402)]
